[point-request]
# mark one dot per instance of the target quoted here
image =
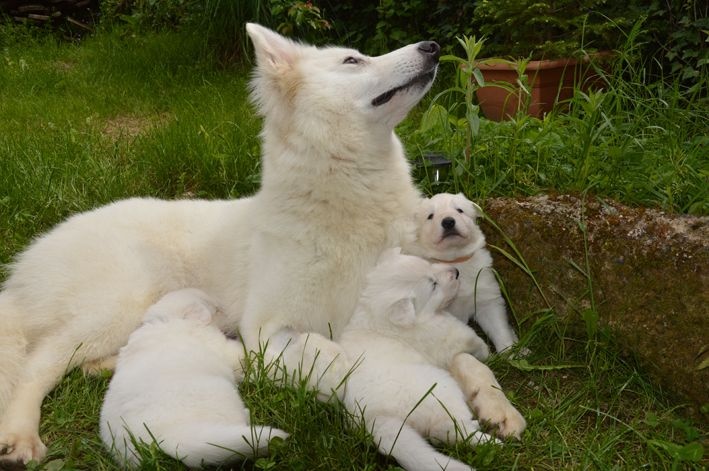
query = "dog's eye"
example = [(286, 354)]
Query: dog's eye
[(430, 216), (351, 60), (459, 210), (434, 283)]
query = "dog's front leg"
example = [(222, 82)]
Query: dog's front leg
[(19, 429), (485, 397)]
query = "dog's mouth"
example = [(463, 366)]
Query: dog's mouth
[(418, 81), (450, 233)]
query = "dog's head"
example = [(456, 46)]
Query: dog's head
[(447, 228), (190, 303), (335, 87), (408, 289)]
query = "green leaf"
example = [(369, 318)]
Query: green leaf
[(651, 419), (524, 365), (434, 118), (477, 73), (474, 122), (692, 452), (590, 317), (451, 58), (54, 465)]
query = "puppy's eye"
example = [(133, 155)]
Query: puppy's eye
[(430, 216), (351, 60), (434, 283), (459, 210)]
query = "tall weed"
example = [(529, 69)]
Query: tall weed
[(639, 141)]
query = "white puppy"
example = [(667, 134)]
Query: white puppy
[(402, 342), (447, 233), (174, 382)]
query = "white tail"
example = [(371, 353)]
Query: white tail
[(394, 437), (213, 444)]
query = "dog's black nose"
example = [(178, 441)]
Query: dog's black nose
[(457, 273), (448, 223), (430, 48)]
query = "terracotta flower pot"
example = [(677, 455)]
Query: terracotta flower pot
[(550, 82)]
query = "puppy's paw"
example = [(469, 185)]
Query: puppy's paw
[(263, 436), (494, 408), (21, 448), (479, 438), (513, 425), (326, 362)]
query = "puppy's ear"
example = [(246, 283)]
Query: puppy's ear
[(403, 313), (468, 206), (424, 209), (389, 254), (275, 54), (200, 311)]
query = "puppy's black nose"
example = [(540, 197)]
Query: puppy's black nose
[(457, 273), (430, 48), (448, 223)]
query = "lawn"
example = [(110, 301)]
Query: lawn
[(121, 115)]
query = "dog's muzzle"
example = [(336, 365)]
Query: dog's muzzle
[(448, 226), (431, 52)]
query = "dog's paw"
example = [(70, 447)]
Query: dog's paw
[(100, 366), (21, 448), (494, 408), (482, 352)]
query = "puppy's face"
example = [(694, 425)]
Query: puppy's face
[(410, 289), (447, 227)]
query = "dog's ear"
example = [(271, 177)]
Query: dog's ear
[(403, 313), (274, 53)]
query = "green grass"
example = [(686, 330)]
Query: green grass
[(119, 116)]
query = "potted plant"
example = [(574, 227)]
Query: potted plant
[(540, 51)]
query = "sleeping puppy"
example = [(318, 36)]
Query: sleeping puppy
[(402, 342), (175, 384), (447, 233)]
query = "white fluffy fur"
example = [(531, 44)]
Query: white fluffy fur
[(175, 384), (402, 342), (479, 295), (335, 192)]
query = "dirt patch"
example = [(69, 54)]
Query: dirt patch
[(650, 274), (130, 126), (64, 66)]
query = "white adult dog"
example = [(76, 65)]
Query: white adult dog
[(402, 342), (335, 192), (175, 384), (447, 232)]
